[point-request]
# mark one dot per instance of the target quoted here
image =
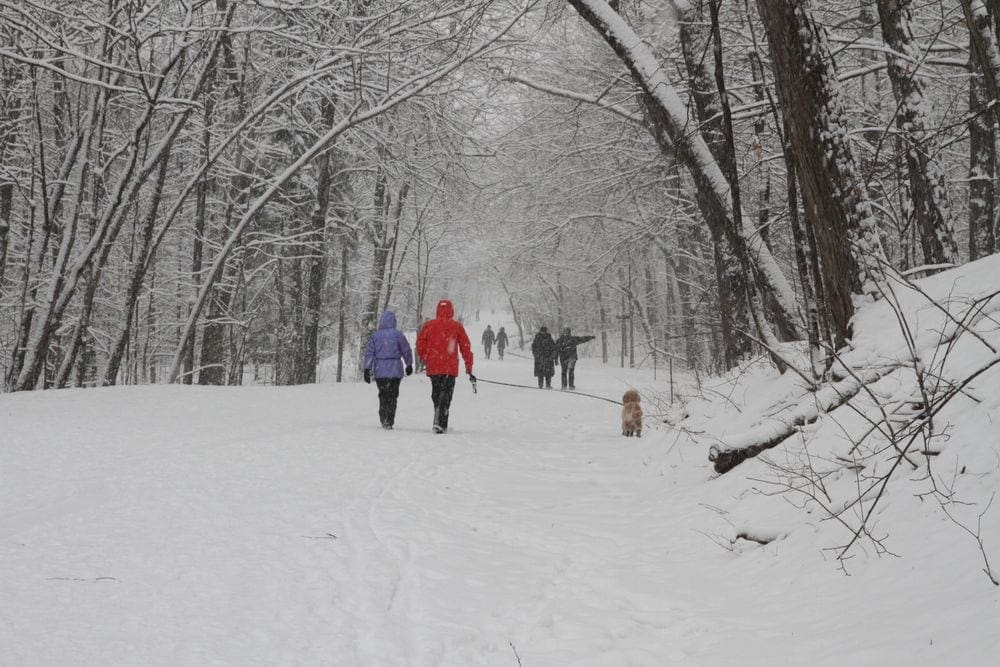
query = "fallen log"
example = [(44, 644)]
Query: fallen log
[(736, 449)]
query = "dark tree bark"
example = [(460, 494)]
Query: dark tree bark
[(9, 115), (982, 165), (731, 277), (382, 240), (837, 207), (928, 184), (342, 308), (673, 134), (983, 21), (318, 262), (200, 218), (377, 233)]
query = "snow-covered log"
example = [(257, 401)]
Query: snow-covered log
[(736, 449)]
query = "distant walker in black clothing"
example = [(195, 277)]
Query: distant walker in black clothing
[(501, 342), (488, 340), (543, 348), (566, 349)]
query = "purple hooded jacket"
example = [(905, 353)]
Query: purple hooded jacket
[(386, 348)]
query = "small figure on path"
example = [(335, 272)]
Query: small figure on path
[(488, 339), (501, 342), (438, 344), (385, 354), (566, 349), (543, 349)]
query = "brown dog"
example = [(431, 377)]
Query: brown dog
[(631, 414)]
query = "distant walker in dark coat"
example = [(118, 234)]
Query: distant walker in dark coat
[(488, 339), (501, 342), (566, 349), (385, 354), (543, 348)]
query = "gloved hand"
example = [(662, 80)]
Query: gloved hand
[(472, 378), (409, 370), (368, 376)]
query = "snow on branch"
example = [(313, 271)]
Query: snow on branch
[(579, 97)]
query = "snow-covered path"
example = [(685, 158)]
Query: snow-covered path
[(180, 525)]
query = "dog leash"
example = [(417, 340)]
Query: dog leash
[(525, 386)]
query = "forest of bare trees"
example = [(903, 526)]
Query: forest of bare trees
[(221, 192)]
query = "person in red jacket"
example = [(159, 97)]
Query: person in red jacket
[(438, 344)]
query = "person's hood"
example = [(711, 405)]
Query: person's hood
[(543, 330), (388, 320), (565, 332), (445, 310)]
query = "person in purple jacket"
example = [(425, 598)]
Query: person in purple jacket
[(385, 354)]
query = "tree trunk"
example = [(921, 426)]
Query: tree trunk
[(928, 184), (342, 309), (9, 116), (836, 203), (730, 277), (379, 232), (982, 19), (604, 323), (663, 111), (200, 222), (982, 165), (138, 273)]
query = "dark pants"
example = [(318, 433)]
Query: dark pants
[(487, 347), (442, 389), (500, 351), (568, 368), (544, 381), (388, 393)]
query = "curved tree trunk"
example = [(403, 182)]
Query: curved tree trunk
[(666, 115)]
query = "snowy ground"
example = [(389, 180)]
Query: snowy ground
[(194, 526)]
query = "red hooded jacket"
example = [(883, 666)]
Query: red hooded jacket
[(440, 341)]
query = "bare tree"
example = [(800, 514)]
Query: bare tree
[(836, 203), (928, 184)]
